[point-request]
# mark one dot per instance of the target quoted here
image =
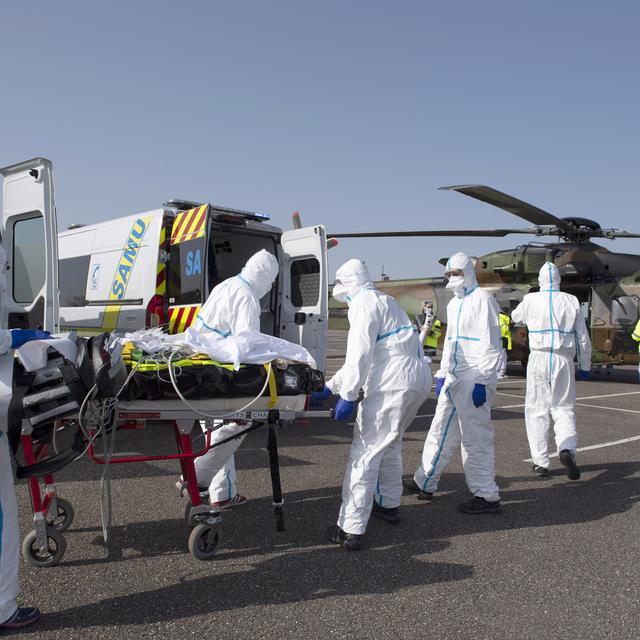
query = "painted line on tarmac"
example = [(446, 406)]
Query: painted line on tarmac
[(595, 446), (509, 406), (595, 406), (609, 395)]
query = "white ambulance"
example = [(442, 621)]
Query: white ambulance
[(157, 268)]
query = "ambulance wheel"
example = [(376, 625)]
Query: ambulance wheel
[(65, 516), (51, 556), (204, 541)]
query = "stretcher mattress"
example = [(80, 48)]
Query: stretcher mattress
[(199, 379)]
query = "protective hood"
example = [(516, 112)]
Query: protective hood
[(461, 285), (260, 272), (351, 278), (549, 277)]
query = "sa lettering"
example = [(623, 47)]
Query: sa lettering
[(193, 263)]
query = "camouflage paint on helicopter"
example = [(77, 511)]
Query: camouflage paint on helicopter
[(606, 283), (611, 302)]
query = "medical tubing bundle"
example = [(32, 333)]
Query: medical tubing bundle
[(105, 418), (203, 413)]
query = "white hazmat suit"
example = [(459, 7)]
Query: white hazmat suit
[(556, 330), (9, 536), (384, 357), (470, 357), (233, 306)]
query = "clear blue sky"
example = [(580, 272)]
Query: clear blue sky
[(352, 112)]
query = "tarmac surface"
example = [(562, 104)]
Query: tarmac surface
[(561, 560)]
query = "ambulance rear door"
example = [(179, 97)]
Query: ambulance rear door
[(30, 238), (186, 279), (304, 298)]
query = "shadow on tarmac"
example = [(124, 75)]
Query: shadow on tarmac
[(291, 573), (393, 559)]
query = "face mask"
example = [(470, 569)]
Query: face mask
[(457, 284), (340, 292)]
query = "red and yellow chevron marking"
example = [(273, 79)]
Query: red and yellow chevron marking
[(182, 317), (189, 225), (161, 276)]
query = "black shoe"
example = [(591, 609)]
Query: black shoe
[(409, 487), (568, 460), (543, 472), (479, 505), (23, 617), (349, 541), (390, 514)]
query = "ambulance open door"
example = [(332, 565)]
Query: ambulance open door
[(30, 238), (304, 308)]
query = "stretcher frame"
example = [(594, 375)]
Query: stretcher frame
[(52, 515)]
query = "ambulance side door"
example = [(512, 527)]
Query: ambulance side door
[(30, 238), (304, 295), (187, 263)]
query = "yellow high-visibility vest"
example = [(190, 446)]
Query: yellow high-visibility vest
[(505, 322), (636, 335), (436, 331)]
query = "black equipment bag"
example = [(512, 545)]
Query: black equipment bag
[(212, 381)]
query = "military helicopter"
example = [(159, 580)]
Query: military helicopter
[(606, 283)]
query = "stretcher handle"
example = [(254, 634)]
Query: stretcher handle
[(274, 465), (328, 414)]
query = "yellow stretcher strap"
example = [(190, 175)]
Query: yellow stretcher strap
[(273, 389), (159, 366)]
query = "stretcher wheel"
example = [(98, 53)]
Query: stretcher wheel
[(187, 511), (56, 547), (64, 519), (204, 541)]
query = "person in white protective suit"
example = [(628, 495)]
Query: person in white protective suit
[(556, 330), (11, 616), (465, 387), (232, 307), (384, 357)]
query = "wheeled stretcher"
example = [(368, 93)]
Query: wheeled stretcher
[(45, 545)]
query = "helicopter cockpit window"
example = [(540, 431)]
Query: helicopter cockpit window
[(625, 310)]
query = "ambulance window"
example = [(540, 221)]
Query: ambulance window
[(305, 282), (72, 276), (186, 265), (228, 253), (29, 266)]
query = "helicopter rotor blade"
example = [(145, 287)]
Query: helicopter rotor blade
[(614, 233), (492, 233), (508, 203)]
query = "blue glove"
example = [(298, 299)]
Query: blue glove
[(318, 397), (20, 336), (344, 409), (584, 375), (479, 395), (439, 385)]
